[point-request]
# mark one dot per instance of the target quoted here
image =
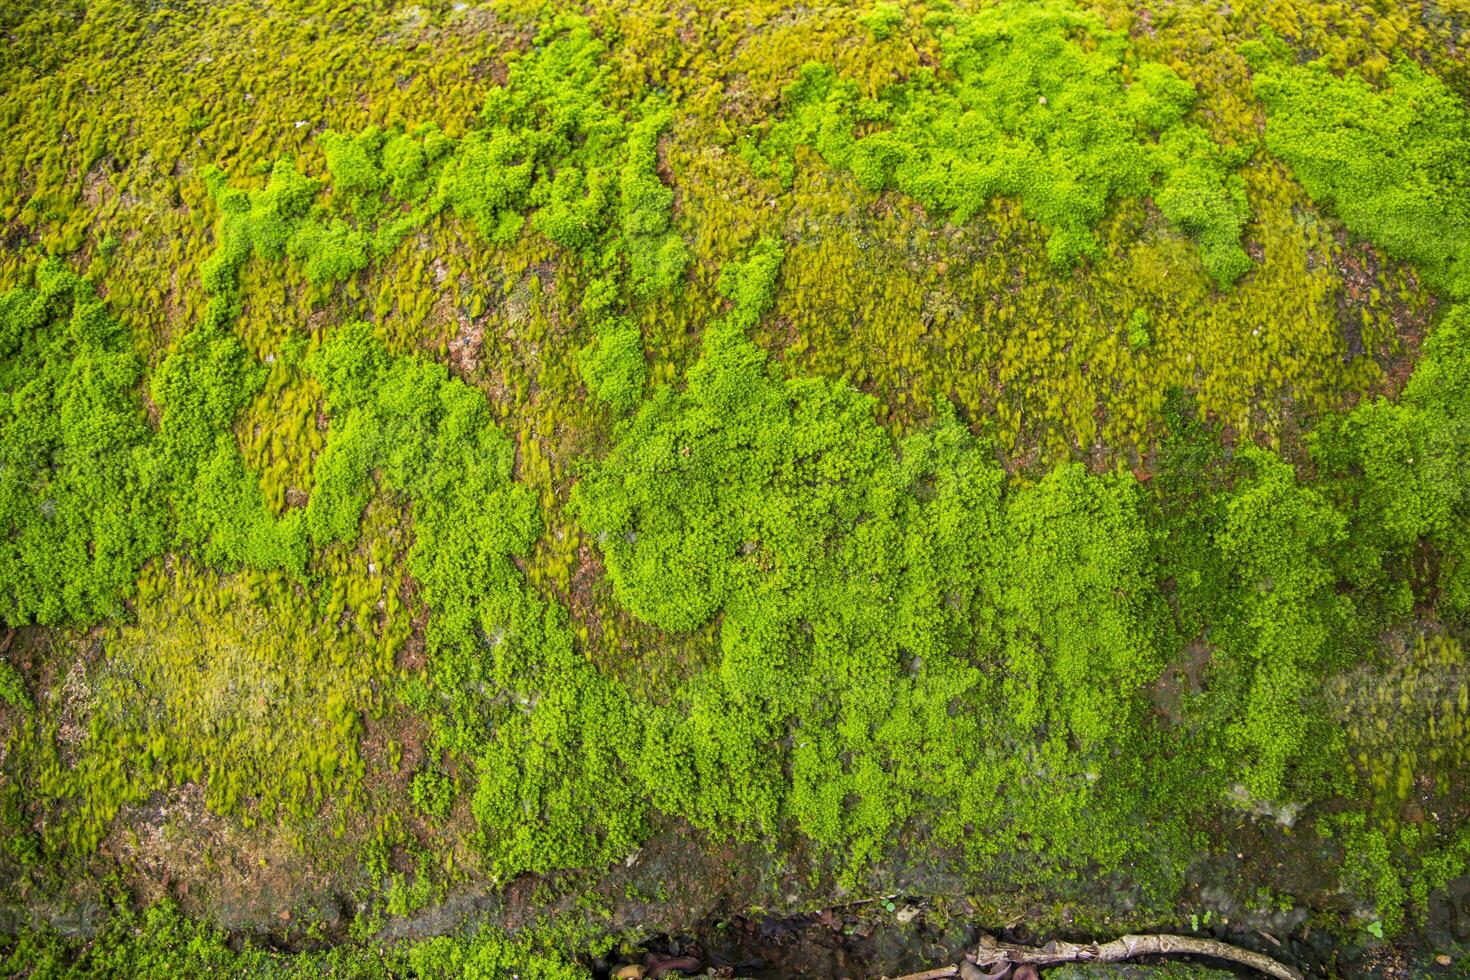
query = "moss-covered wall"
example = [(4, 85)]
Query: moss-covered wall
[(465, 438)]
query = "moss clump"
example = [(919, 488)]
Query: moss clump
[(77, 500), (861, 584), (161, 941), (506, 688), (218, 506), (613, 365), (1277, 541), (254, 224), (553, 144), (656, 254), (13, 688), (1039, 101), (1392, 161), (1404, 465)]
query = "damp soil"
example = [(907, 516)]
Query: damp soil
[(696, 906), (866, 941)]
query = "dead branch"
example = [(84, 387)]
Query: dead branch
[(991, 953)]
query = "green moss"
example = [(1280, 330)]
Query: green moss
[(1277, 541), (161, 941), (881, 20), (330, 253), (218, 506), (355, 162), (1369, 870), (751, 285), (877, 592), (613, 365), (1074, 585), (432, 792), (1138, 334), (860, 585), (1035, 101), (13, 688), (250, 702), (489, 181), (254, 224), (1402, 464), (656, 253), (77, 498), (1390, 161), (542, 741)]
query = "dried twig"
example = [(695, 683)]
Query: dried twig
[(991, 953), (939, 973)]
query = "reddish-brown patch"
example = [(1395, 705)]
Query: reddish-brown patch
[(414, 655), (173, 845), (582, 597), (97, 187), (1361, 271), (77, 695), (402, 728), (661, 163), (465, 346)]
